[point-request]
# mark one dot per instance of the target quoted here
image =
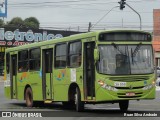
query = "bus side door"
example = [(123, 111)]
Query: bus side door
[(47, 68), (89, 70), (13, 72)]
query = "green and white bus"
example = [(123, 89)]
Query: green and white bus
[(112, 66)]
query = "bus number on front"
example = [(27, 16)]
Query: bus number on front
[(120, 84)]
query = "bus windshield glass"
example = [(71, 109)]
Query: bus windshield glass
[(125, 59), (123, 36)]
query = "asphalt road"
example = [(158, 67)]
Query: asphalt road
[(99, 110)]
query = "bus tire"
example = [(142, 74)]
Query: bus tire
[(68, 105), (124, 105), (38, 103), (78, 103), (29, 97)]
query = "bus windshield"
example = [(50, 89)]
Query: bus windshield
[(125, 59)]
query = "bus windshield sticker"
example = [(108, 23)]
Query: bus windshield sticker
[(73, 75)]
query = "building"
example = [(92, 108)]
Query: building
[(156, 34), (12, 37)]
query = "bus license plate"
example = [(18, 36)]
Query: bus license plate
[(120, 84), (130, 94)]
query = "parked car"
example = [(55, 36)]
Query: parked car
[(158, 76), (158, 81), (158, 71)]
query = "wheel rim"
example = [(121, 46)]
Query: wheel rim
[(29, 99), (75, 99)]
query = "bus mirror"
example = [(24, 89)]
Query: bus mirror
[(96, 54)]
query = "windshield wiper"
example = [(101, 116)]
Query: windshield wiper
[(117, 47), (136, 50), (133, 53)]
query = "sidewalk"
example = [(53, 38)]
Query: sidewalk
[(1, 78)]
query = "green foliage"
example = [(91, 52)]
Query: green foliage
[(30, 22), (15, 22), (1, 23)]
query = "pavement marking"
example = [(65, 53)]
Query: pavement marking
[(33, 109), (117, 108)]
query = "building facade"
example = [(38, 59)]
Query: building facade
[(12, 37), (156, 34)]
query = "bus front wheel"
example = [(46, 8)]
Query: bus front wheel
[(29, 97), (124, 105), (78, 103)]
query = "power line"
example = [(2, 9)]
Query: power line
[(71, 7)]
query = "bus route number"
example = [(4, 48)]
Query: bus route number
[(120, 84)]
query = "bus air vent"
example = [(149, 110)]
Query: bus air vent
[(129, 78)]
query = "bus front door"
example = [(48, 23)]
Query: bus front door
[(47, 73), (89, 70), (13, 73)]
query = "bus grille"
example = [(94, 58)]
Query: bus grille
[(129, 79), (123, 95), (126, 88)]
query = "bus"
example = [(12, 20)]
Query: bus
[(110, 66)]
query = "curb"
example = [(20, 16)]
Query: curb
[(1, 79)]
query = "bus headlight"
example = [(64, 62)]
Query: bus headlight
[(105, 86), (148, 87)]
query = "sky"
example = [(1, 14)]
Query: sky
[(76, 14)]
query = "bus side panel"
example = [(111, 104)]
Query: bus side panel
[(61, 84), (7, 92), (101, 93), (35, 80), (32, 79), (63, 78)]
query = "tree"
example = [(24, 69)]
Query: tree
[(16, 22), (1, 23), (31, 22)]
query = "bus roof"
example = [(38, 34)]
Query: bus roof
[(68, 38)]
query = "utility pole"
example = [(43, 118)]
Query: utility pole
[(122, 6), (89, 27)]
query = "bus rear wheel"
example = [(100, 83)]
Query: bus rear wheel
[(78, 103), (124, 105), (29, 97)]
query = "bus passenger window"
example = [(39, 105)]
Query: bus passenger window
[(79, 58), (60, 56), (75, 49), (34, 59), (23, 61)]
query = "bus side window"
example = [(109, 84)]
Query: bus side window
[(34, 59), (75, 52), (23, 61), (7, 62)]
